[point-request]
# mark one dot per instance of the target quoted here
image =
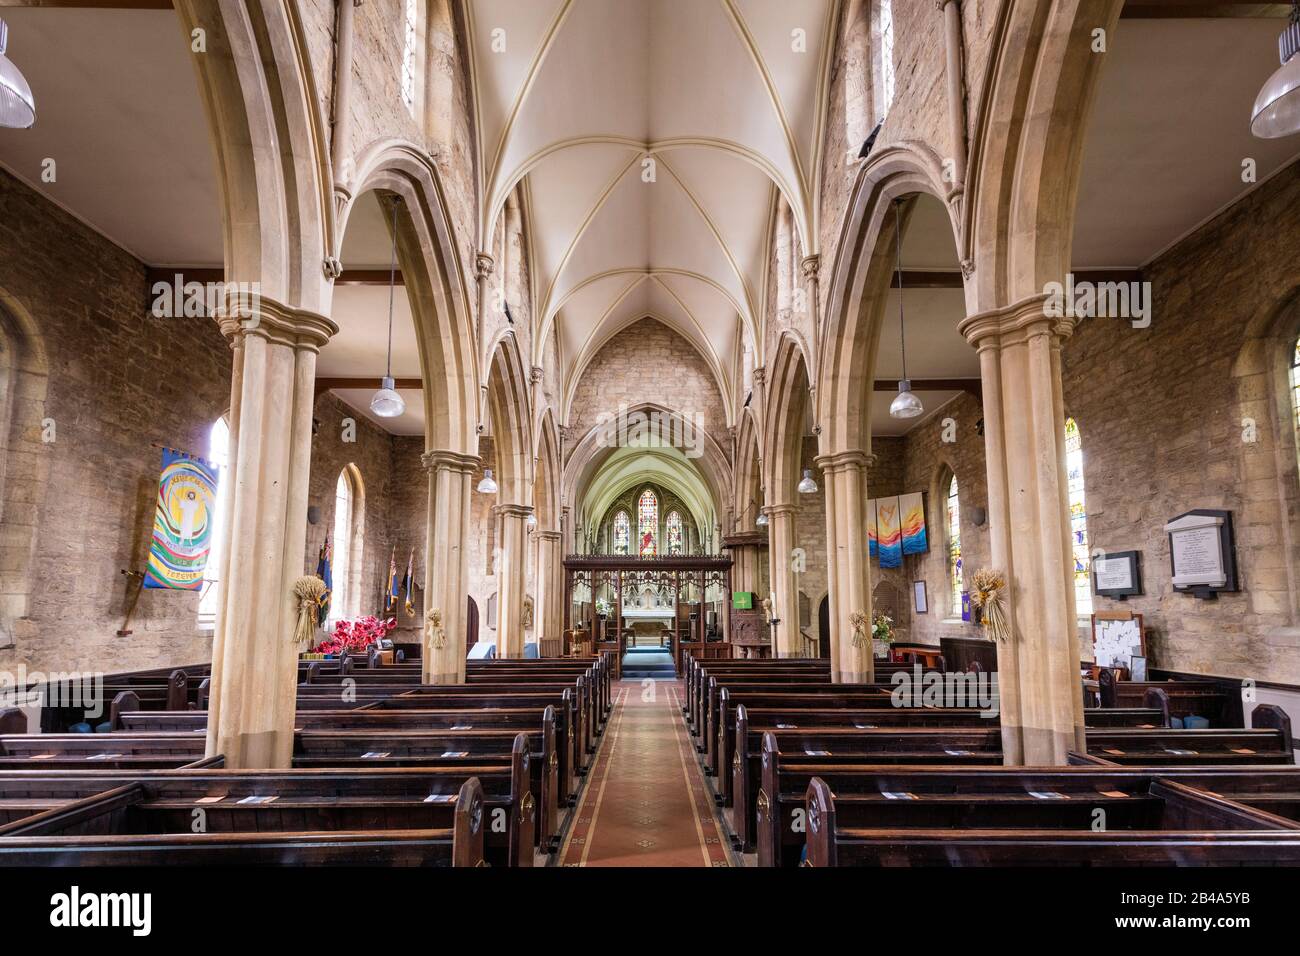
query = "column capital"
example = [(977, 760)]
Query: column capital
[(809, 266), (483, 265), (844, 460), (244, 313), (760, 374), (512, 510), (443, 460), (773, 511), (1020, 321), (547, 535)]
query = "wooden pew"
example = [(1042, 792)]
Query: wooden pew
[(1270, 742), (1185, 697), (816, 747), (110, 751), (121, 826), (1196, 830)]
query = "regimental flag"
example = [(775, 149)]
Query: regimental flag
[(182, 524), (390, 595), (325, 574), (408, 582)]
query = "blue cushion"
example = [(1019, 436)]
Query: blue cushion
[(105, 728), (530, 651), (1192, 722), (80, 728), (1176, 722)]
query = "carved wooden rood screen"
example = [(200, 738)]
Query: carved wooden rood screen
[(671, 588)]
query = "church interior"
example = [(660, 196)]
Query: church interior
[(649, 433)]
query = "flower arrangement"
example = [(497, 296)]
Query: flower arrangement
[(353, 636), (987, 588), (603, 607), (882, 627), (434, 634)]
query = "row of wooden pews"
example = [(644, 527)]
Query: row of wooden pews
[(787, 749), (385, 770)]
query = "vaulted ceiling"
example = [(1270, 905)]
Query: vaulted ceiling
[(649, 138)]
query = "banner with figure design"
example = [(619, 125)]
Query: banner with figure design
[(182, 524)]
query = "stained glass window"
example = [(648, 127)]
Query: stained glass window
[(341, 568), (886, 54), (954, 547), (674, 526), (411, 18), (1078, 519), (647, 524), (219, 455), (622, 533), (1295, 385)]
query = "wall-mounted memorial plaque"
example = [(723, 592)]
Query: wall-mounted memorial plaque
[(1201, 552), (1117, 575)]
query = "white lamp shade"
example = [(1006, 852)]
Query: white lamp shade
[(488, 484), (387, 403), (761, 520), (807, 486), (905, 404), (17, 106), (1277, 108)]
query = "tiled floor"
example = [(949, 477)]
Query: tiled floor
[(645, 803)]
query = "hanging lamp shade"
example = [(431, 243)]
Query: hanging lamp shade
[(807, 486), (386, 403), (761, 520), (17, 106), (905, 403), (487, 485), (1277, 108)]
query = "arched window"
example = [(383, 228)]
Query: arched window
[(1078, 519), (885, 32), (219, 455), (953, 524), (674, 530), (647, 524), (347, 544), (622, 533), (1295, 389), (410, 52)]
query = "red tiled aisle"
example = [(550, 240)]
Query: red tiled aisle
[(645, 803)]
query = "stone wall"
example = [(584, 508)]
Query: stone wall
[(121, 383), (649, 362), (1167, 415)]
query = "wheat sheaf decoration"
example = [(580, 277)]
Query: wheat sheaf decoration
[(308, 590), (434, 633), (988, 589), (860, 623)]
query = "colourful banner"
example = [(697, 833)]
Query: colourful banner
[(912, 509), (889, 529), (182, 524), (873, 538)]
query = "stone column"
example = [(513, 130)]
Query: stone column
[(848, 570), (254, 659), (786, 641), (1024, 439), (511, 571), (446, 574), (548, 602), (483, 265)]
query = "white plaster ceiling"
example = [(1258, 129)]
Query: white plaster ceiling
[(118, 110), (710, 91), (1168, 133)]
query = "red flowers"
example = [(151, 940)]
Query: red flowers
[(354, 636)]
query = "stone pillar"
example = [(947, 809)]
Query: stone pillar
[(848, 578), (254, 659), (786, 641), (1024, 440), (549, 600), (483, 265), (512, 568), (446, 575)]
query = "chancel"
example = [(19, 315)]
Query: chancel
[(617, 433)]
